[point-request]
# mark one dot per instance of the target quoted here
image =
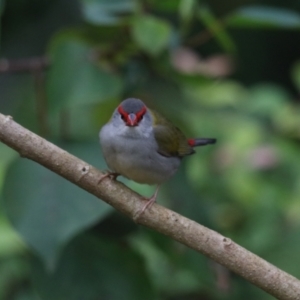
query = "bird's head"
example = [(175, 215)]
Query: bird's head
[(133, 114)]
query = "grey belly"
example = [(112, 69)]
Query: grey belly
[(143, 165)]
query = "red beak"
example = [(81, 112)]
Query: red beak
[(131, 120)]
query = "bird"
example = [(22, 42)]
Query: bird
[(142, 145)]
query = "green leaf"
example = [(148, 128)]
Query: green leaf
[(264, 17), (216, 28), (286, 252), (10, 241), (266, 100), (94, 269), (166, 6), (258, 236), (14, 271), (187, 9), (190, 271), (46, 209), (6, 157), (151, 34), (74, 79), (105, 12), (296, 74), (218, 94)]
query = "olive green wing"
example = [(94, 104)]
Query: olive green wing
[(171, 141)]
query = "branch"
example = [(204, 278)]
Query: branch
[(208, 242), (37, 66), (24, 65)]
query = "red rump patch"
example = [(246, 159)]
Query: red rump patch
[(191, 142), (138, 116)]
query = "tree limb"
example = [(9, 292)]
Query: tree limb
[(208, 242), (31, 64)]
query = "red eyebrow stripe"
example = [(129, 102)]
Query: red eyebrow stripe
[(140, 113), (122, 111)]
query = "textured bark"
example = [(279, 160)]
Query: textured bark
[(208, 242)]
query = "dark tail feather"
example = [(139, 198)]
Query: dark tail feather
[(201, 142)]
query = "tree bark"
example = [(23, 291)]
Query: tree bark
[(208, 242)]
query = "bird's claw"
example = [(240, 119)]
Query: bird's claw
[(148, 204), (111, 175)]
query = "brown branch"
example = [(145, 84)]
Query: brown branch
[(208, 242), (24, 64), (36, 66)]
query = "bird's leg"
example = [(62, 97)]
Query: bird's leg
[(111, 175), (148, 204)]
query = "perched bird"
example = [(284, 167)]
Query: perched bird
[(141, 145)]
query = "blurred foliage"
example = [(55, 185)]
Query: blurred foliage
[(224, 69)]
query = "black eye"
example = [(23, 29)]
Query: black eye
[(122, 117), (141, 117)]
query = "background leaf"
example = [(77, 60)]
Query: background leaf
[(215, 26), (88, 262), (296, 75), (105, 12), (265, 17), (46, 210), (75, 79), (151, 34)]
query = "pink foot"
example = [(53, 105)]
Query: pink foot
[(148, 204)]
